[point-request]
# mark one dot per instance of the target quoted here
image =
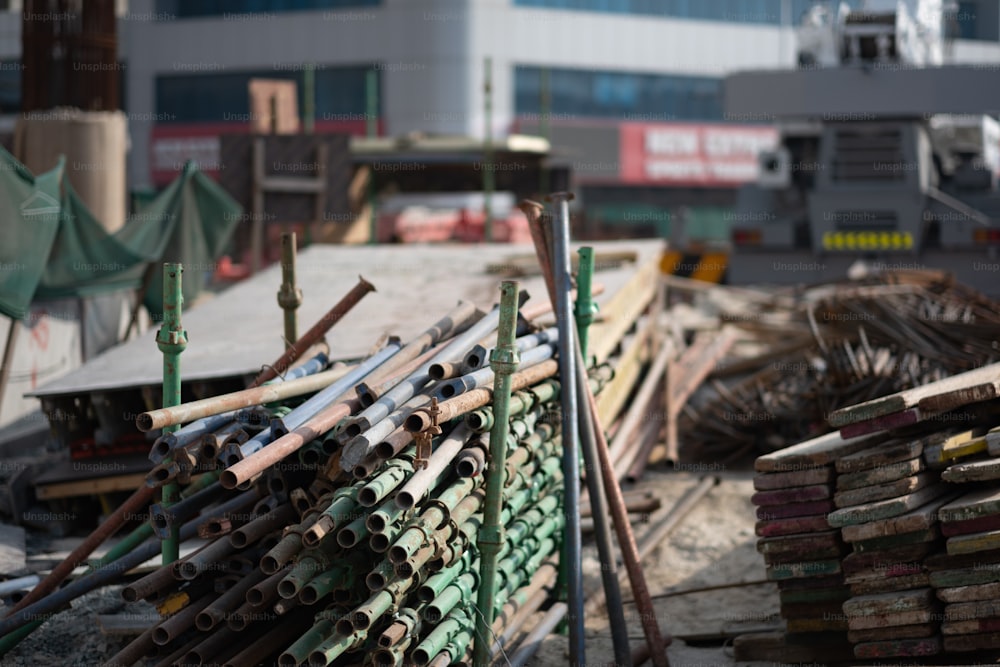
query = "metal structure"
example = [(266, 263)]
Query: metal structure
[(70, 55), (885, 156), (171, 339)]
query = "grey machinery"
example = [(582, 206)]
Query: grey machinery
[(887, 158)]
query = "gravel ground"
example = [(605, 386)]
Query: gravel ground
[(715, 544)]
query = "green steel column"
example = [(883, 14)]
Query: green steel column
[(289, 296), (371, 130), (586, 308), (171, 339), (488, 175), (504, 362)]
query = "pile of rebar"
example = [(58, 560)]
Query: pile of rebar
[(409, 507), (832, 346)]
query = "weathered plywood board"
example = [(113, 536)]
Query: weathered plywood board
[(838, 593), (888, 584), (885, 509), (964, 577), (828, 623), (889, 620), (819, 451), (787, 510), (894, 489), (800, 494), (963, 611), (899, 632), (784, 480), (855, 562), (799, 543), (946, 392), (922, 518), (779, 648), (819, 568), (979, 525), (973, 642), (879, 475), (891, 541), (969, 593), (812, 583), (973, 542), (890, 603), (941, 560), (972, 471), (806, 555), (886, 570), (897, 648), (792, 526), (883, 454), (974, 504), (970, 626)]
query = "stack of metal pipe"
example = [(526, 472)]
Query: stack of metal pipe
[(351, 518)]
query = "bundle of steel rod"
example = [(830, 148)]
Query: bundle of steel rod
[(914, 493), (354, 515), (829, 347)]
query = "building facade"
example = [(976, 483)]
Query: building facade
[(629, 91)]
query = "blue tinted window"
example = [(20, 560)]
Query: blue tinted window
[(619, 94), (736, 11), (223, 97), (188, 8)]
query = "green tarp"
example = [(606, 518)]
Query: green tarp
[(51, 246)]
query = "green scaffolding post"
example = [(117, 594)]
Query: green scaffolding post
[(172, 340)]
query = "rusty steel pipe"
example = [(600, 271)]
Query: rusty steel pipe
[(133, 505), (251, 532), (174, 626), (317, 331), (212, 646), (457, 320), (245, 398), (217, 611), (477, 398), (277, 450), (417, 486), (373, 389)]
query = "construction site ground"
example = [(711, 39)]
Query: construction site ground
[(714, 544)]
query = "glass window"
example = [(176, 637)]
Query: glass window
[(10, 86), (221, 98), (736, 11), (602, 94)]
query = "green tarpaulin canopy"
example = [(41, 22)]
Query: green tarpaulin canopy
[(51, 246)]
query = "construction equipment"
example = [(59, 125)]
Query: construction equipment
[(886, 154)]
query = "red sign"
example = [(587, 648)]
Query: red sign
[(692, 154)]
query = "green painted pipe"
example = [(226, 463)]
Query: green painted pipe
[(171, 339), (342, 509), (323, 584), (445, 631), (455, 648), (438, 581), (12, 639), (299, 651), (336, 646), (458, 592), (396, 470), (586, 308), (490, 537)]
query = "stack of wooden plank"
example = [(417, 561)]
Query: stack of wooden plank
[(967, 573), (803, 552), (888, 502), (890, 528)]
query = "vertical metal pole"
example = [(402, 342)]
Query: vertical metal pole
[(504, 362), (371, 131), (309, 98), (289, 296), (570, 432), (488, 175), (602, 528), (172, 340), (585, 306)]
